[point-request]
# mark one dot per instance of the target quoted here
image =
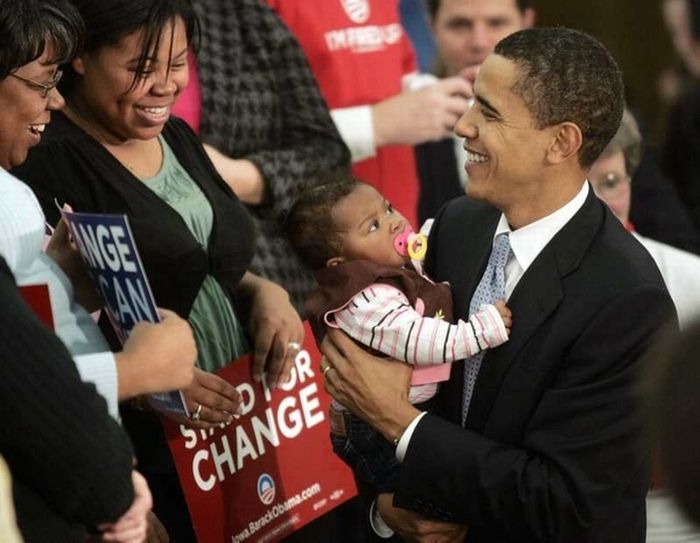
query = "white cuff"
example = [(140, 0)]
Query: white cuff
[(357, 130), (377, 522), (416, 80), (100, 369), (402, 446)]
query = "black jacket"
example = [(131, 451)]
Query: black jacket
[(553, 448), (70, 461)]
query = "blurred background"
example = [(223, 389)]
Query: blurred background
[(635, 33)]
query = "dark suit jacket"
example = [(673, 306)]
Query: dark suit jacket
[(553, 448)]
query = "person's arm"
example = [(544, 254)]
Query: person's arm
[(381, 318), (157, 357), (56, 429), (411, 117), (310, 143)]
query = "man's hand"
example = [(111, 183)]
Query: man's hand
[(426, 114), (157, 357), (374, 389), (414, 527)]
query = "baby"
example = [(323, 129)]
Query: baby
[(368, 266)]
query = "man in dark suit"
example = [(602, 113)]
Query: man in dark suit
[(540, 440)]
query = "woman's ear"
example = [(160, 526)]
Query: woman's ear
[(566, 143), (78, 65), (334, 261)]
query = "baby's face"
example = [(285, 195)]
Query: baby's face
[(368, 226)]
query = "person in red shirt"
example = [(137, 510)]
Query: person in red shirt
[(366, 69)]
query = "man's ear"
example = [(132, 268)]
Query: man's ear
[(567, 142), (78, 65), (334, 261)]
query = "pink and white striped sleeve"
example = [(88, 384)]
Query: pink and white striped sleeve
[(381, 317)]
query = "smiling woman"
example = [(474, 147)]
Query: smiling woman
[(31, 60), (117, 149)]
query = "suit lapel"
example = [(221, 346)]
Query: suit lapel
[(537, 295)]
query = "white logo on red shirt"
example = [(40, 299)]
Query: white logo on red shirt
[(357, 10)]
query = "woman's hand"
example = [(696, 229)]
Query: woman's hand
[(133, 525), (157, 357), (276, 327), (212, 402), (62, 251), (156, 531)]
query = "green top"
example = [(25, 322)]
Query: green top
[(219, 334)]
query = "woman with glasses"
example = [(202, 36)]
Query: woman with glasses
[(116, 149), (70, 461), (611, 178)]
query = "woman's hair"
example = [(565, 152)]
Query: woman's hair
[(108, 21), (28, 26), (309, 224), (628, 141)]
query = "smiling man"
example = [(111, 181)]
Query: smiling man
[(539, 440), (465, 31)]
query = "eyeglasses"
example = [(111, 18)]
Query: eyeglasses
[(610, 185), (42, 88)]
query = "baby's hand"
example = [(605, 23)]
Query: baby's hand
[(505, 313)]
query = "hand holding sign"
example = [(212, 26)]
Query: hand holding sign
[(107, 246), (215, 401), (157, 357), (62, 251), (277, 329)]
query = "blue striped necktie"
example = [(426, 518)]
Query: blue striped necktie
[(492, 287)]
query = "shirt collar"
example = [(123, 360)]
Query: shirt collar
[(527, 242)]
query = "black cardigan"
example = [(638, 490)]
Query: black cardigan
[(72, 167), (70, 461)]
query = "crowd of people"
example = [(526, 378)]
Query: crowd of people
[(500, 217)]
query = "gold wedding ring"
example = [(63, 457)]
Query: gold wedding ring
[(325, 370)]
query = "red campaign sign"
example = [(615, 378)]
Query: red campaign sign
[(272, 470), (38, 299)]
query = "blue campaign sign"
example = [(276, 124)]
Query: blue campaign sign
[(107, 246)]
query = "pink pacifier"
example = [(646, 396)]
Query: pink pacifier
[(410, 244)]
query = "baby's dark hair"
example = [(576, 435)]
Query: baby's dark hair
[(310, 227)]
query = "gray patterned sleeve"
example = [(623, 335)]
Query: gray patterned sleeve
[(310, 142)]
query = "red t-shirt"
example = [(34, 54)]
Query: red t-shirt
[(359, 52)]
